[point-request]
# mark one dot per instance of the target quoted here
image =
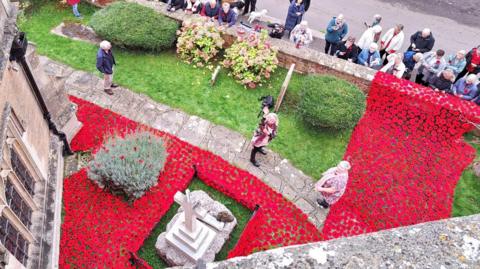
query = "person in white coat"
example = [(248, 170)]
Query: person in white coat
[(368, 37), (395, 65), (391, 41)]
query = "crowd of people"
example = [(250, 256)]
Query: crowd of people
[(457, 73)]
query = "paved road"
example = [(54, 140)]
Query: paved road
[(454, 28)]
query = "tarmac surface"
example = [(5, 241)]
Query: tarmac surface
[(455, 24)]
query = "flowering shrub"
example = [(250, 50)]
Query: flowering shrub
[(251, 59), (128, 165), (99, 229), (401, 153), (199, 41)]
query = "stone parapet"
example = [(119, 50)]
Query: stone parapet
[(451, 243), (307, 60)]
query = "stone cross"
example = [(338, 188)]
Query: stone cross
[(190, 215)]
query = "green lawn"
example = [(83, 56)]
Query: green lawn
[(148, 252), (167, 80)]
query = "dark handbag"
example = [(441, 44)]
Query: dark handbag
[(277, 30)]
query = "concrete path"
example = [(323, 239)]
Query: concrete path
[(275, 171), (450, 35)]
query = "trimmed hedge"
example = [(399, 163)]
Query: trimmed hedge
[(133, 26), (328, 102)]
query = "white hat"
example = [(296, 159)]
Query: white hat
[(344, 166)]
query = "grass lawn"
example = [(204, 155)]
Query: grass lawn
[(167, 80), (148, 251)]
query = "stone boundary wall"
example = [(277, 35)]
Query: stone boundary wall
[(306, 60), (451, 243)]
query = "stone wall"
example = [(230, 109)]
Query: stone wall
[(306, 60), (452, 243)]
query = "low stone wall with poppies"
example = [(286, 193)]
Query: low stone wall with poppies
[(452, 243), (306, 60)]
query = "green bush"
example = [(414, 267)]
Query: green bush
[(134, 26), (128, 165), (328, 102)]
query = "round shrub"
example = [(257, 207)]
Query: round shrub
[(131, 25), (128, 165), (199, 41), (328, 102)]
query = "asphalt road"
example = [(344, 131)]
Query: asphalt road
[(455, 23)]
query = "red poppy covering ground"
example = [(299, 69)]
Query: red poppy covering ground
[(407, 154), (99, 229)]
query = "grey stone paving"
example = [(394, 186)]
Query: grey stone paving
[(275, 171)]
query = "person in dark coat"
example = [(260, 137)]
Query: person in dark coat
[(249, 6), (347, 50), (175, 5), (410, 59), (211, 9), (422, 41), (105, 63), (337, 29), (305, 2), (442, 82), (473, 63), (227, 16), (295, 14)]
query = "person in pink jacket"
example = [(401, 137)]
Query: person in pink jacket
[(266, 131), (74, 4), (333, 183)]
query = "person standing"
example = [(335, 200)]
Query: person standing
[(295, 15), (211, 9), (368, 37), (105, 63), (456, 62), (249, 6), (433, 63), (301, 35), (332, 185), (370, 57), (466, 88), (391, 41), (347, 50), (74, 4), (226, 16), (473, 63), (422, 41), (337, 29), (395, 65), (266, 131)]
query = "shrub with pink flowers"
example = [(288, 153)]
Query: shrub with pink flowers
[(128, 165), (251, 59), (199, 41)]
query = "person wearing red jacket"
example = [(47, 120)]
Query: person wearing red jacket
[(473, 63), (74, 4)]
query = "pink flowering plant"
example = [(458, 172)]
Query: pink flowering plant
[(251, 59), (128, 165), (199, 41)]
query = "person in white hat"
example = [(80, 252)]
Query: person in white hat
[(333, 183)]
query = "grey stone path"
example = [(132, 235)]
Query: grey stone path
[(230, 145)]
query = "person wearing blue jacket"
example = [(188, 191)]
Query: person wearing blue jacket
[(337, 29), (105, 63), (295, 15), (370, 57), (466, 88), (226, 15)]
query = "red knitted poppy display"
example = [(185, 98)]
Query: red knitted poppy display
[(407, 154), (100, 229)]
